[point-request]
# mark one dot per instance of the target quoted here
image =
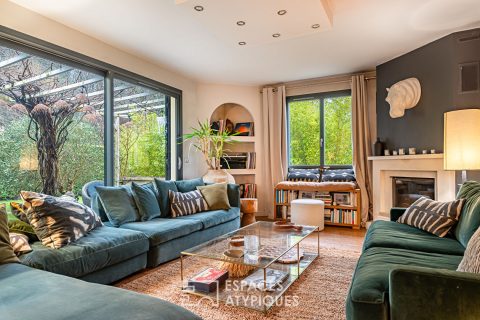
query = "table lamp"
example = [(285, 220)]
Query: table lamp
[(462, 141)]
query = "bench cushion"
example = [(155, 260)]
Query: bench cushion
[(368, 295), (163, 229), (390, 234), (102, 247), (213, 218), (34, 294)]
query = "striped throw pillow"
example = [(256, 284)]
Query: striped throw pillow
[(471, 258), (433, 216), (183, 204)]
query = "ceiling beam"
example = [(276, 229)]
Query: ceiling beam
[(17, 58), (42, 76)]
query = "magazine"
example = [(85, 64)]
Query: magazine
[(255, 280)]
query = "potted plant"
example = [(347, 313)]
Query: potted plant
[(211, 143)]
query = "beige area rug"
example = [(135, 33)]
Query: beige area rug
[(321, 290)]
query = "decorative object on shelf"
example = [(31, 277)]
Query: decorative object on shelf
[(394, 153), (386, 152), (424, 151), (341, 199), (412, 151), (229, 126), (401, 151), (249, 207), (432, 151), (403, 95), (211, 144), (378, 147), (244, 129), (462, 141)]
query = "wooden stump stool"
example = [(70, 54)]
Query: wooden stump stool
[(248, 206)]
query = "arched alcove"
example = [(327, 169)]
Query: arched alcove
[(233, 112)]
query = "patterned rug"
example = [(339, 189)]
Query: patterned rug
[(319, 293)]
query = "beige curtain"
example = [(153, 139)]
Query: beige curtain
[(274, 140), (361, 143)]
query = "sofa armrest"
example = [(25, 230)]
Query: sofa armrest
[(233, 195), (426, 293), (395, 213)]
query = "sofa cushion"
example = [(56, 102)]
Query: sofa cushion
[(213, 218), (19, 226), (58, 221), (470, 218), (19, 243), (370, 284), (471, 259), (118, 204), (433, 216), (146, 200), (163, 187), (189, 185), (183, 204), (216, 196), (162, 230), (390, 234), (34, 294), (101, 248), (6, 252)]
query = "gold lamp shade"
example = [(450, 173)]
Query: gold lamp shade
[(462, 140)]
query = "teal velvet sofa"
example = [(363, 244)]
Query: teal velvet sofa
[(407, 273), (108, 254), (28, 293)]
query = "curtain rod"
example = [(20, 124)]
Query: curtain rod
[(316, 84)]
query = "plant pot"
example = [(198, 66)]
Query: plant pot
[(218, 176)]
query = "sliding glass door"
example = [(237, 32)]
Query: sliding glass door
[(64, 123)]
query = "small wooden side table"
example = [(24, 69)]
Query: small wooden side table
[(248, 206)]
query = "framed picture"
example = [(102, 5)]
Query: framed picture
[(244, 129), (341, 198)]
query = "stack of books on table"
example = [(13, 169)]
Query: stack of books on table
[(208, 280)]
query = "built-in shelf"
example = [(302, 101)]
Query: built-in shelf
[(243, 138), (241, 172)]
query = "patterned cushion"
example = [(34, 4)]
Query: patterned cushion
[(6, 252), (471, 258), (295, 174), (57, 221), (19, 243), (433, 216), (339, 175), (183, 204)]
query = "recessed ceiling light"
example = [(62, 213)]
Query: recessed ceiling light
[(242, 43), (276, 35), (241, 23), (282, 12), (315, 26), (198, 8)]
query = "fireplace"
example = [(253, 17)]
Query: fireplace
[(406, 190)]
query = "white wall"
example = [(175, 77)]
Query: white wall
[(209, 97)]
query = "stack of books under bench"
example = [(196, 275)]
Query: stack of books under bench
[(342, 200)]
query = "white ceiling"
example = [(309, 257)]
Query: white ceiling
[(204, 46)]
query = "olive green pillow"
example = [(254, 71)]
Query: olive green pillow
[(17, 226), (216, 196), (6, 252)]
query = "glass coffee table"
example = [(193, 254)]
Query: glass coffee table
[(271, 245)]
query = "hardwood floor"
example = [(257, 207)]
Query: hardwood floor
[(336, 237)]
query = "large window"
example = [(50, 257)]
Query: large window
[(66, 120), (320, 129)]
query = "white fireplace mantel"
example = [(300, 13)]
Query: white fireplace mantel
[(418, 166)]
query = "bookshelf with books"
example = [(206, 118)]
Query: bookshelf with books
[(240, 158), (341, 208)]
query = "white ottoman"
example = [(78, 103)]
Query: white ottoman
[(308, 212)]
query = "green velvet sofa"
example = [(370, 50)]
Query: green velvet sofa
[(108, 254), (406, 273)]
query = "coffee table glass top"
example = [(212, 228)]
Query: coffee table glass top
[(273, 244)]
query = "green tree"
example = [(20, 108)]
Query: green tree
[(338, 130)]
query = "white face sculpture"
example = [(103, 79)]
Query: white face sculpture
[(403, 95)]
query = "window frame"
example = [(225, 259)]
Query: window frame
[(321, 96), (26, 43)]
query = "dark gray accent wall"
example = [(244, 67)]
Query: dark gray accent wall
[(437, 66)]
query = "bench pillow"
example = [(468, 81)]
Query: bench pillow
[(338, 175), (311, 175)]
